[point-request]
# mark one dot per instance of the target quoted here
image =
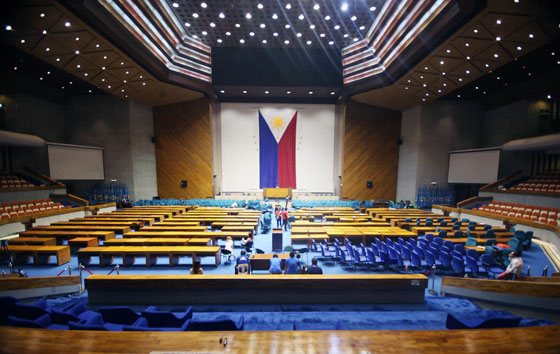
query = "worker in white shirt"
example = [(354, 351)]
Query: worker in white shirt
[(515, 267)]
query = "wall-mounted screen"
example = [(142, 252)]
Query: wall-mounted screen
[(75, 162)]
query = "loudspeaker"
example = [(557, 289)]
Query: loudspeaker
[(154, 140), (184, 184), (369, 184), (399, 141)]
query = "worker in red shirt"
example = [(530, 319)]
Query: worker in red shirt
[(285, 218)]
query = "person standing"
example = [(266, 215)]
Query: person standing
[(278, 215), (285, 218)]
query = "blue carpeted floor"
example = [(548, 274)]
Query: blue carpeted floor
[(431, 315)]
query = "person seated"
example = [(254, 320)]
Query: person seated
[(242, 259), (229, 246), (301, 264), (247, 243), (314, 268), (196, 269), (514, 268), (275, 265), (292, 265)]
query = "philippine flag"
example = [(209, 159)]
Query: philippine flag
[(277, 148)]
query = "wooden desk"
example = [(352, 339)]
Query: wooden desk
[(536, 339), (115, 229), (82, 242), (277, 192), (256, 289), (239, 228), (188, 234), (62, 253), (132, 224), (175, 227), (151, 253), (262, 261), (65, 235), (30, 241), (146, 220), (478, 240)]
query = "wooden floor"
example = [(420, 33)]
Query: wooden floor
[(511, 340)]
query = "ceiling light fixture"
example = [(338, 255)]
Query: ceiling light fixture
[(316, 7), (301, 17), (44, 32), (498, 38), (344, 6), (260, 6), (266, 92), (244, 91), (262, 25), (22, 41), (264, 41), (252, 34), (248, 16), (203, 5), (298, 35), (309, 42), (353, 18), (310, 92), (499, 21), (312, 27), (288, 92), (241, 41), (327, 18), (287, 26), (67, 24), (331, 43), (373, 8), (531, 35), (212, 24), (187, 24), (274, 16), (175, 5), (286, 42), (275, 34), (519, 47), (337, 27), (42, 14), (195, 15), (288, 6), (222, 15)]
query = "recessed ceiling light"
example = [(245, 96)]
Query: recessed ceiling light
[(310, 92), (228, 33), (353, 18), (312, 26), (103, 68), (47, 49), (195, 36), (322, 35), (266, 92), (42, 14), (260, 6), (122, 62), (222, 15), (531, 35), (244, 91), (519, 47), (345, 35), (288, 92), (467, 44), (203, 5), (441, 62), (48, 72), (212, 24), (89, 91), (252, 34), (298, 34), (204, 33), (262, 25), (355, 39), (286, 42), (362, 28), (195, 15), (439, 91), (461, 79), (275, 34), (57, 59), (316, 7), (222, 91), (175, 5), (516, 1), (424, 85), (40, 78), (425, 68), (406, 87), (373, 8), (274, 16), (301, 17), (458, 96), (467, 72), (85, 74), (499, 21), (286, 26), (103, 80), (408, 80), (331, 43), (241, 41), (497, 78), (468, 58), (78, 66), (443, 73), (248, 16), (22, 41), (421, 76), (549, 97), (15, 67), (327, 18), (309, 42), (498, 38), (105, 57), (444, 84), (219, 40), (288, 6), (67, 24), (264, 41), (337, 27), (427, 94), (344, 6), (496, 55), (475, 30), (187, 24), (97, 46)]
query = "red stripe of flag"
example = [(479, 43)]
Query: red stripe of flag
[(287, 156)]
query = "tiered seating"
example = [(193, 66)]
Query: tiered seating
[(354, 204), (13, 181), (545, 215), (29, 207), (545, 183)]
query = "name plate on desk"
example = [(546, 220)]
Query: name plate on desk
[(277, 192)]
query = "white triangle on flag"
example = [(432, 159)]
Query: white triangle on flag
[(278, 120)]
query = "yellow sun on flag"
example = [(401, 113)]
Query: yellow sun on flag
[(278, 122)]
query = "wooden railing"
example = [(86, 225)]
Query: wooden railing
[(474, 200)]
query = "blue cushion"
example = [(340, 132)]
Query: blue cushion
[(217, 325), (119, 314), (503, 321)]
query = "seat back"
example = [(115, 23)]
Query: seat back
[(243, 268)]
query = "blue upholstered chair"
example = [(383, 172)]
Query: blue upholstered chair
[(157, 318), (455, 321), (217, 325), (43, 321)]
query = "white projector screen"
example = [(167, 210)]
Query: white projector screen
[(75, 162), (474, 166)]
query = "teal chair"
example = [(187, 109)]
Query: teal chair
[(528, 240), (470, 241)]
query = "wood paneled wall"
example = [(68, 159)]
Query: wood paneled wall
[(371, 152), (183, 134)]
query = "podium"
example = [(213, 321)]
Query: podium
[(277, 239), (277, 192)]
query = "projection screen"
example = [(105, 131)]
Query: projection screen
[(478, 166), (75, 162)]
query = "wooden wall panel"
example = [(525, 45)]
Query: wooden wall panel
[(184, 149), (371, 152)]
